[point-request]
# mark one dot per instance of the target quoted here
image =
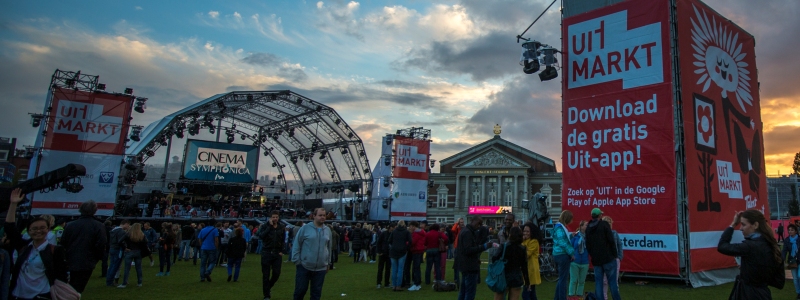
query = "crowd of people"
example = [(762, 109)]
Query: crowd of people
[(49, 251)]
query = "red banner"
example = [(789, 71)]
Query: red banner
[(725, 169), (88, 122), (618, 132), (411, 158), (410, 178)]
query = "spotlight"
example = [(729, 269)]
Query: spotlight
[(273, 164), (337, 121), (179, 134), (249, 97), (389, 139), (150, 153), (317, 191), (314, 147), (244, 136), (387, 160), (344, 150), (128, 91), (221, 105), (306, 158), (135, 131), (323, 154), (350, 135), (299, 101), (325, 189), (271, 183), (36, 119), (549, 73), (100, 87), (231, 138), (362, 153), (211, 129), (140, 105)]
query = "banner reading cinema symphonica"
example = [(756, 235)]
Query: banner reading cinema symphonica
[(221, 162), (410, 176), (722, 128), (87, 129), (618, 128)]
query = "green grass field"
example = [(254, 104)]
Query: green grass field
[(350, 281)]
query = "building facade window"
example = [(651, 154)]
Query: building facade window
[(441, 220), (441, 199), (509, 197), (3, 155), (476, 197), (492, 198)]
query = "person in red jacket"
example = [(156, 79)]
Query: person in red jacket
[(417, 249), (433, 240)]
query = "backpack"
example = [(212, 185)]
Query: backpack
[(496, 277)]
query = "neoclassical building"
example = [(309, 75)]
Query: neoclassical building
[(491, 174)]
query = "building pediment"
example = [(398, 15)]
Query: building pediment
[(492, 158)]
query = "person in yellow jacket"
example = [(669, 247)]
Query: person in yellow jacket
[(531, 238)]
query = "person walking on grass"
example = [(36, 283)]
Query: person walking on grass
[(468, 257), (311, 255), (209, 243), (165, 245), (271, 234), (134, 249), (151, 236), (531, 239), (602, 249), (187, 235), (384, 262), (618, 242), (115, 252), (237, 247), (433, 239), (417, 250), (580, 262), (516, 269), (356, 237), (562, 253), (399, 243)]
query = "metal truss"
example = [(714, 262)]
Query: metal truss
[(297, 127)]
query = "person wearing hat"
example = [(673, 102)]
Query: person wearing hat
[(602, 249)]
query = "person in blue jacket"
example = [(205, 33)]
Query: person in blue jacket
[(580, 262)]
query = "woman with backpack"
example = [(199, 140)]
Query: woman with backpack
[(562, 253), (135, 248), (531, 239), (761, 258), (516, 265)]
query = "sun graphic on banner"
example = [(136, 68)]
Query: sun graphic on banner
[(720, 59)]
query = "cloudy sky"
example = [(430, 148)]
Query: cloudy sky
[(451, 66)]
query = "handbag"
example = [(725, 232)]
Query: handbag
[(791, 263), (442, 245), (63, 291), (496, 277)]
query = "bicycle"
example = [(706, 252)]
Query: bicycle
[(547, 265)]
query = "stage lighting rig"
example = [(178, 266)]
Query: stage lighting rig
[(231, 136), (136, 130), (36, 119), (536, 54), (140, 105), (128, 91), (100, 87)]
